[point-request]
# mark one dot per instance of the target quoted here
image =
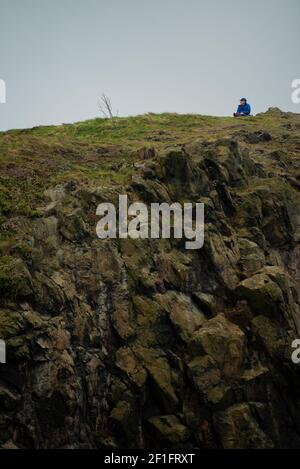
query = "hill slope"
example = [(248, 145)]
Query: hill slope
[(141, 343)]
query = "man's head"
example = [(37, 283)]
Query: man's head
[(243, 101)]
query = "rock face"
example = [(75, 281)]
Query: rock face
[(141, 343)]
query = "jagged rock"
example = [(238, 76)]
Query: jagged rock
[(204, 373), (240, 314), (185, 317), (252, 257), (126, 361), (206, 302), (238, 428), (123, 343), (224, 259), (263, 295), (125, 419), (275, 111), (162, 377), (8, 400), (168, 429), (223, 342), (269, 335), (15, 279), (11, 323)]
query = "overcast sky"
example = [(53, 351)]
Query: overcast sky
[(185, 56)]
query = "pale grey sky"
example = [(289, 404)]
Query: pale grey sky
[(185, 56)]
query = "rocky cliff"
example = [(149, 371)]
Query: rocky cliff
[(141, 343)]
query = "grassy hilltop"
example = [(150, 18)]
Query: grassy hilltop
[(105, 150)]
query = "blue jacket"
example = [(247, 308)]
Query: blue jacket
[(244, 109)]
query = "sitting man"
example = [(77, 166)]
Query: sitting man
[(244, 109)]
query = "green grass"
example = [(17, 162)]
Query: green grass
[(135, 129), (8, 279), (98, 175), (32, 160)]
